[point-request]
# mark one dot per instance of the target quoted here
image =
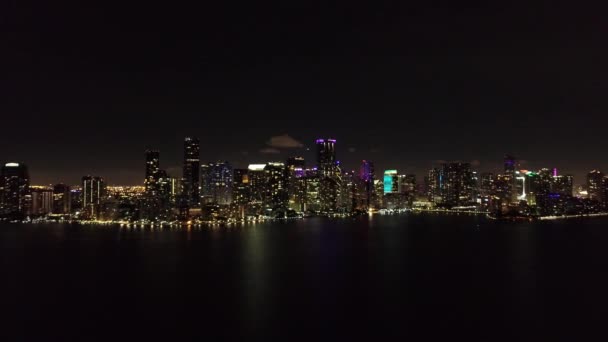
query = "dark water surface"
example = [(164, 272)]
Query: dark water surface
[(412, 276)]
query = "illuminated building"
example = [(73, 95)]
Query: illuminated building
[(93, 194), (14, 190), (378, 198), (595, 181), (62, 201), (563, 185), (240, 187), (152, 171), (326, 157), (276, 187), (216, 183), (313, 185), (41, 200), (296, 184), (257, 182), (367, 191), (508, 179), (167, 186), (457, 185), (391, 182), (433, 185), (348, 192), (329, 174), (191, 171), (407, 184)]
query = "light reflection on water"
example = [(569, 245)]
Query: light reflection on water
[(385, 273)]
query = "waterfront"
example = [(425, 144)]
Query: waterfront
[(426, 275)]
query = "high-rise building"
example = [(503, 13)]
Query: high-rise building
[(152, 171), (240, 187), (329, 174), (296, 184), (595, 180), (41, 200), (367, 191), (563, 185), (191, 171), (391, 182), (93, 194), (216, 183), (509, 178), (433, 185), (62, 201), (276, 187), (313, 188), (14, 190), (348, 192), (407, 184), (257, 183), (326, 156), (457, 186)]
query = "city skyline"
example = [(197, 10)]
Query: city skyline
[(278, 149)]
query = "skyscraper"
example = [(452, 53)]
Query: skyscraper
[(62, 201), (152, 171), (191, 171), (296, 184), (434, 181), (14, 190), (391, 182), (41, 200), (326, 156), (594, 185), (329, 174), (93, 193), (216, 182), (457, 186), (366, 178), (508, 177), (276, 189), (257, 182), (240, 187)]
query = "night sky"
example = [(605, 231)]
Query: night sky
[(85, 90)]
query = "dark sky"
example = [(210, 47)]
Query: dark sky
[(87, 89)]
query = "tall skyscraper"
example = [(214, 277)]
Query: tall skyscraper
[(563, 185), (240, 187), (595, 179), (216, 182), (366, 178), (434, 181), (276, 187), (326, 156), (257, 182), (296, 184), (457, 186), (152, 171), (41, 200), (62, 201), (508, 177), (191, 171), (93, 194), (14, 190), (391, 182)]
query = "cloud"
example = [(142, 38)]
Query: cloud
[(270, 150), (352, 150), (284, 141)]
